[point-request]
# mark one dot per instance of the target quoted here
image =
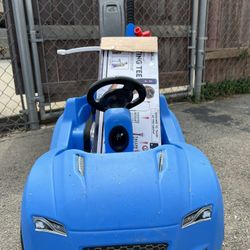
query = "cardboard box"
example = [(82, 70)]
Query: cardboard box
[(136, 58)]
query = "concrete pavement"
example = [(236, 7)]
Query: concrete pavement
[(220, 128)]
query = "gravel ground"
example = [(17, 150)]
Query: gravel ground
[(220, 128)]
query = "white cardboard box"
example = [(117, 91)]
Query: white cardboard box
[(142, 66)]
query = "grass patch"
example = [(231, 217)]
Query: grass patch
[(225, 88)]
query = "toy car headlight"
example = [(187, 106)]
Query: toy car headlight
[(48, 226), (199, 215)]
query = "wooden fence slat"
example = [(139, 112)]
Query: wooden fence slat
[(62, 12), (227, 53), (244, 39), (83, 12), (43, 12), (214, 23), (79, 32)]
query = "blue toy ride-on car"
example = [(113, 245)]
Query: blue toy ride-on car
[(166, 198)]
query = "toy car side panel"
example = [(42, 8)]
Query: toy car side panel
[(38, 197), (68, 132), (171, 130), (205, 190)]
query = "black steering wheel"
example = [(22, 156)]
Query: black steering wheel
[(116, 97)]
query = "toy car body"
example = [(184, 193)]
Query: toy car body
[(167, 198)]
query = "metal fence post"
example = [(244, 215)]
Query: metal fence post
[(35, 57), (26, 65), (202, 28), (36, 63), (195, 11)]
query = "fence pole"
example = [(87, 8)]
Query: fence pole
[(202, 29), (26, 66), (195, 11), (36, 63), (35, 57)]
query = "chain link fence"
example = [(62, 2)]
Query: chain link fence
[(65, 24), (228, 45), (171, 22), (12, 105), (69, 24)]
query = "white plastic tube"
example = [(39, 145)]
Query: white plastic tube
[(64, 52)]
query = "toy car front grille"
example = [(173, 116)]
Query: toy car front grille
[(131, 247)]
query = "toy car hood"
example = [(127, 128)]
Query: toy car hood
[(119, 191)]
